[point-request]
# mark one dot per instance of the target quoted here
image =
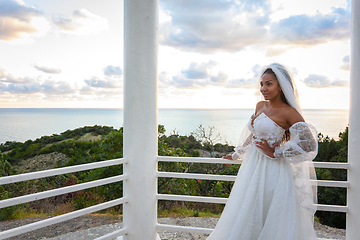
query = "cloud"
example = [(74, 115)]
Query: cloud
[(207, 74), (28, 85), (20, 22), (320, 81), (273, 51), (255, 70), (199, 71), (8, 78), (182, 82), (312, 30), (82, 22), (47, 69), (112, 71), (165, 80), (110, 85), (95, 82), (346, 63), (220, 78), (57, 88), (197, 75), (242, 83), (21, 88), (247, 83), (47, 88), (211, 25), (36, 88)]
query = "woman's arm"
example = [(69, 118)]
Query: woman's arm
[(303, 145)]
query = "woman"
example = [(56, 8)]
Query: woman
[(272, 198)]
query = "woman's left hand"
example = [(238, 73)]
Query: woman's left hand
[(228, 157), (265, 147)]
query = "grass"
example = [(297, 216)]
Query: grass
[(26, 212), (23, 212), (185, 212)]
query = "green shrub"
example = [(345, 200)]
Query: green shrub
[(331, 150)]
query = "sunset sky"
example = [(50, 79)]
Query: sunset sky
[(69, 53)]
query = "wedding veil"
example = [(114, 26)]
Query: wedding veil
[(286, 82)]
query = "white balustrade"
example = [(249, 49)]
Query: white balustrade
[(124, 231), (59, 191)]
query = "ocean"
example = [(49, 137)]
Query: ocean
[(21, 124)]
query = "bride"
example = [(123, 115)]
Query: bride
[(273, 197)]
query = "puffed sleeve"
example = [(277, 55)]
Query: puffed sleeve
[(244, 142), (302, 146)]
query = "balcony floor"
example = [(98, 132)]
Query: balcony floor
[(96, 232)]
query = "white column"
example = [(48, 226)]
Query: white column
[(353, 216), (140, 118)]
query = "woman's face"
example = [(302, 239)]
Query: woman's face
[(269, 86)]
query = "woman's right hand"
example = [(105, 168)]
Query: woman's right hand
[(228, 156)]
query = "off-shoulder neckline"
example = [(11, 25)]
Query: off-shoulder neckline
[(253, 118)]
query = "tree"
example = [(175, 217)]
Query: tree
[(208, 139)]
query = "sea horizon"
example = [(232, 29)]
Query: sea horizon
[(22, 124), (345, 109)]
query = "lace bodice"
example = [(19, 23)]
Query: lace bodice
[(302, 145), (263, 127)]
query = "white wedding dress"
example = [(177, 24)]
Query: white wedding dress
[(272, 198)]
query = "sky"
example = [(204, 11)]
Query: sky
[(69, 53)]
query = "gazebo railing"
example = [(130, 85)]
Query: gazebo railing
[(60, 191), (172, 197)]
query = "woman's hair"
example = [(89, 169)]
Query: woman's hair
[(269, 71)]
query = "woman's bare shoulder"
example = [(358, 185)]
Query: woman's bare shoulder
[(260, 105), (292, 115)]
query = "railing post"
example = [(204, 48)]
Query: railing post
[(353, 216), (140, 118)]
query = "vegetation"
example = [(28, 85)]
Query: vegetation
[(331, 150), (5, 170), (110, 146)]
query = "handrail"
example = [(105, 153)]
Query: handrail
[(186, 198), (338, 165), (59, 171), (59, 191), (328, 183), (196, 176), (332, 208), (322, 183), (111, 235), (197, 160), (61, 218), (174, 228)]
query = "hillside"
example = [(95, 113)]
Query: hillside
[(48, 152)]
